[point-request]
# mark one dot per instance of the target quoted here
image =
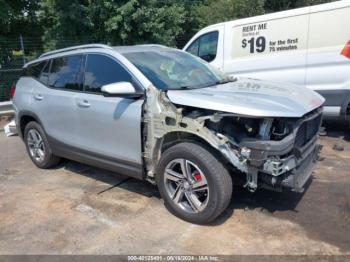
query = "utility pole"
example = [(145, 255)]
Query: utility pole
[(22, 48)]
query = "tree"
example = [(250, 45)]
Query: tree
[(17, 17), (65, 22), (216, 11), (279, 5), (150, 21), (301, 3), (127, 22), (15, 14)]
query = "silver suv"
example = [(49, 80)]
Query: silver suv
[(165, 116)]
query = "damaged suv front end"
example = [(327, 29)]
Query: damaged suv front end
[(285, 158), (275, 151), (283, 154)]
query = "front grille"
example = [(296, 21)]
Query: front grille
[(307, 130)]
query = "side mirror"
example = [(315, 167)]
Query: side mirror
[(120, 89)]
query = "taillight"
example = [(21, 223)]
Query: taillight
[(12, 91)]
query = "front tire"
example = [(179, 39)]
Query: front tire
[(193, 183), (38, 147)]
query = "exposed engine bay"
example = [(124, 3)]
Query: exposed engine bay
[(273, 153)]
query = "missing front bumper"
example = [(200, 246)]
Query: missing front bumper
[(294, 180)]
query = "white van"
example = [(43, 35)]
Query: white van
[(308, 46)]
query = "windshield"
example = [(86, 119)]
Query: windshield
[(171, 69)]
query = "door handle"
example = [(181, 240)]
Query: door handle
[(38, 97), (84, 103)]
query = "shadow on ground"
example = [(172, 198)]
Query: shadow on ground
[(337, 130), (112, 179), (241, 198)]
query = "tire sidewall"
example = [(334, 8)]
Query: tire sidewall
[(39, 129), (209, 172)]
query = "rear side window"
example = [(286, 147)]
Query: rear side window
[(65, 73), (102, 70), (44, 76), (34, 70)]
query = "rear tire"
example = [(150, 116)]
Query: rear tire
[(200, 193), (38, 147)]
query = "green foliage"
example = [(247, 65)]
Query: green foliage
[(59, 23), (65, 22), (301, 3), (138, 21), (216, 11), (17, 15), (68, 22), (279, 5)]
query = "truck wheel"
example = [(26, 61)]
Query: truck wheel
[(38, 147), (193, 183)]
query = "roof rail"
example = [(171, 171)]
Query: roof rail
[(75, 48), (152, 45)]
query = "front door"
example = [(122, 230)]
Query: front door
[(108, 127)]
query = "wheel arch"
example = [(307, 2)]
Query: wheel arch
[(176, 137), (24, 118), (172, 138)]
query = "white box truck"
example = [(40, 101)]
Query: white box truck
[(308, 46)]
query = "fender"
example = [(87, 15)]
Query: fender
[(24, 113)]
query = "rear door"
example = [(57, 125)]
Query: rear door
[(54, 98), (108, 127)]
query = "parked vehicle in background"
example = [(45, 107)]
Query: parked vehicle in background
[(308, 46), (165, 116)]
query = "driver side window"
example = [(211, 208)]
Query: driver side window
[(102, 70), (205, 46)]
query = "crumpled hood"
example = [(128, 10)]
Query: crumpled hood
[(251, 97)]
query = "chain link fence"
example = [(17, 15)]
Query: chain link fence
[(7, 78), (13, 55), (15, 52)]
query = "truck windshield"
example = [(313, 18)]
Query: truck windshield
[(172, 69)]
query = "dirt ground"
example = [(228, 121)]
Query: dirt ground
[(77, 209)]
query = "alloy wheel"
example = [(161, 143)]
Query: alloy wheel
[(186, 185), (36, 145)]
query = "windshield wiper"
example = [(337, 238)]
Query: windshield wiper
[(219, 82), (181, 88), (222, 82), (226, 80), (185, 87)]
